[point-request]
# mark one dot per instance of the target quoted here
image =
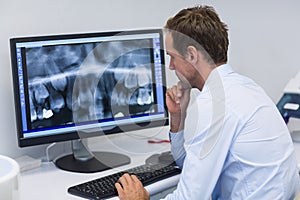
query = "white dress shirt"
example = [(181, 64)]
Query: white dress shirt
[(235, 144)]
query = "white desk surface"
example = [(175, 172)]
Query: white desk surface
[(49, 182)]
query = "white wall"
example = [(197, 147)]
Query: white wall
[(264, 38)]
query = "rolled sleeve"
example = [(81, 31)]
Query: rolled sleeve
[(177, 147)]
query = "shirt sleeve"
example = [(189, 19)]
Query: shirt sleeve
[(199, 174), (177, 147), (202, 154)]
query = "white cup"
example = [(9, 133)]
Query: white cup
[(9, 178)]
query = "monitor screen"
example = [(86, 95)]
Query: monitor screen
[(107, 82)]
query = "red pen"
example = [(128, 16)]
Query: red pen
[(158, 141)]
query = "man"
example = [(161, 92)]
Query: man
[(240, 147)]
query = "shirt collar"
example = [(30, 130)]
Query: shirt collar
[(222, 70)]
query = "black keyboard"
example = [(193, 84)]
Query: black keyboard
[(104, 187)]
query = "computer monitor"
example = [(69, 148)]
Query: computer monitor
[(75, 86)]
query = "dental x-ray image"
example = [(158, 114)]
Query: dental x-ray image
[(85, 82)]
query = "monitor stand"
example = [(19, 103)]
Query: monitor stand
[(84, 161)]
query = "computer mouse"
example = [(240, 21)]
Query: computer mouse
[(163, 158), (166, 158)]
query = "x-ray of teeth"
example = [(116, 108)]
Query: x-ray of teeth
[(87, 82)]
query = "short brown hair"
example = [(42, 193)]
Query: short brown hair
[(203, 25)]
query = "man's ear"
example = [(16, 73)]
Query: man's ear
[(192, 55)]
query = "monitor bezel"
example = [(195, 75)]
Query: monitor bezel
[(73, 135)]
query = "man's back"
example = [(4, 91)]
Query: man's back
[(261, 162)]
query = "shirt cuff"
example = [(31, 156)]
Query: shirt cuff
[(175, 136)]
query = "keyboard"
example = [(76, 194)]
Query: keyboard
[(104, 187)]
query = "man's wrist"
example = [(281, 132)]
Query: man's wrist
[(176, 129), (177, 123)]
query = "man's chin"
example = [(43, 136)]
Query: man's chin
[(185, 83)]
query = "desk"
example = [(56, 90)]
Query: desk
[(50, 183)]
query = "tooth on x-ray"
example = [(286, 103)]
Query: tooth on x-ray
[(56, 100), (119, 114), (39, 112), (143, 97), (59, 82), (131, 80), (33, 115), (143, 77), (40, 93), (57, 78), (47, 113), (85, 96), (69, 97), (123, 99)]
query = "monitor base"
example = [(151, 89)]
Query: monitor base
[(100, 162)]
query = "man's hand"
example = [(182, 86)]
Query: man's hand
[(177, 99), (129, 187)]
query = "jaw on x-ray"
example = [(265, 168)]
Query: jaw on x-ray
[(86, 82)]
